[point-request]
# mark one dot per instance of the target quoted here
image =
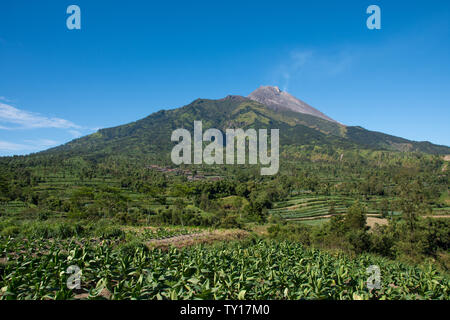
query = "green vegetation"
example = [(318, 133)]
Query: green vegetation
[(259, 270), (101, 201)]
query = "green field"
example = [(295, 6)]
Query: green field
[(307, 206), (243, 270), (141, 233)]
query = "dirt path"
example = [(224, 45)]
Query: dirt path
[(196, 238)]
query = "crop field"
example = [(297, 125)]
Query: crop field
[(12, 207), (135, 233), (308, 208), (241, 270), (316, 206), (313, 222), (442, 211)]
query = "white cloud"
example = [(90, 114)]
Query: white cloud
[(14, 120), (30, 120), (28, 146), (10, 146)]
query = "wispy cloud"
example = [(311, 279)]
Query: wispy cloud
[(75, 133), (2, 98), (308, 62), (21, 119), (42, 142), (10, 146), (294, 65), (27, 146), (14, 121)]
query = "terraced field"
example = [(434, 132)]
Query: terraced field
[(315, 210), (441, 211), (311, 206), (12, 207), (65, 185)]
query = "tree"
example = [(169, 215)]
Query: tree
[(356, 217), (384, 206), (4, 189)]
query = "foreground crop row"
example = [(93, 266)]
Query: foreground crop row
[(239, 270)]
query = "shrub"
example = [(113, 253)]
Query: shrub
[(130, 248), (10, 231), (110, 232)]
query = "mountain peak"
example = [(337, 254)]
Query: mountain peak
[(233, 98), (276, 99)]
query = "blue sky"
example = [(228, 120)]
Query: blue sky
[(132, 58)]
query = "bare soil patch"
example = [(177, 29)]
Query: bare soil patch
[(372, 221), (197, 238)]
